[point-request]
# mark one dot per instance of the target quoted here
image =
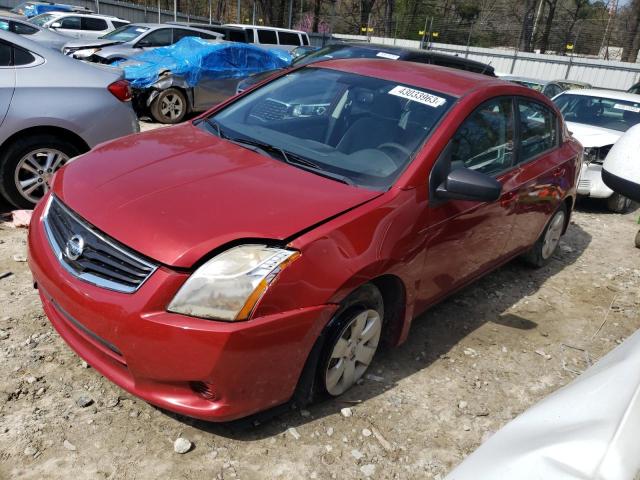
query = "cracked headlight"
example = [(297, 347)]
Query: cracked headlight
[(228, 286)]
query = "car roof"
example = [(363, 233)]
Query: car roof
[(431, 77), (264, 27), (413, 51), (20, 20), (610, 94), (85, 14), (515, 78)]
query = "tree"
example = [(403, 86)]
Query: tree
[(632, 40), (550, 5)]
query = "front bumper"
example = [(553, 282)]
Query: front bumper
[(590, 182), (169, 359)]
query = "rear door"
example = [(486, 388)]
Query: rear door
[(467, 238), (7, 79), (545, 170), (93, 28)]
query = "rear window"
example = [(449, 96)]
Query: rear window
[(288, 38), (94, 24), (267, 37)]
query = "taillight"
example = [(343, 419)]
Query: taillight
[(121, 90)]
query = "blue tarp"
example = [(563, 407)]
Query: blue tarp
[(31, 9), (194, 58)]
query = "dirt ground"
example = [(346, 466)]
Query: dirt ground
[(470, 365)]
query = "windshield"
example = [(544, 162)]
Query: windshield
[(538, 87), (126, 33), (342, 51), (41, 19), (362, 129), (600, 112)]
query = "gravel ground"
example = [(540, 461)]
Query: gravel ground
[(470, 365)]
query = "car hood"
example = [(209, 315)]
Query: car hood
[(89, 43), (590, 136), (178, 193)]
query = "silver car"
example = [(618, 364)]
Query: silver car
[(53, 108), (39, 35), (130, 40)]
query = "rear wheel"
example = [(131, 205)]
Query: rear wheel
[(28, 164), (170, 106), (352, 342), (618, 203), (546, 245)]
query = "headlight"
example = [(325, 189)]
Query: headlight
[(229, 285), (86, 53)]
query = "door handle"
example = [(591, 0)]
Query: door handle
[(507, 199)]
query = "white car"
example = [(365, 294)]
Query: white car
[(587, 430), (597, 119), (78, 25)]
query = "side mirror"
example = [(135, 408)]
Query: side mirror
[(55, 25), (466, 184)]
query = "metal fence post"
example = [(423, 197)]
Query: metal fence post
[(159, 15), (175, 10), (513, 62)]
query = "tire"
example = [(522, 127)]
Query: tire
[(351, 342), (170, 106), (548, 241), (618, 203), (34, 159), (638, 239)]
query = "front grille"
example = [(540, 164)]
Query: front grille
[(90, 255), (584, 185)]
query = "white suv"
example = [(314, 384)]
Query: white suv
[(78, 25)]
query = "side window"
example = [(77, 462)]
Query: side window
[(70, 23), (484, 141), (179, 34), (267, 37), (250, 35), (94, 24), (22, 57), (158, 38), (4, 25), (289, 38), (5, 55), (305, 39), (237, 36), (538, 129), (22, 29)]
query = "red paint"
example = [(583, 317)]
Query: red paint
[(177, 194)]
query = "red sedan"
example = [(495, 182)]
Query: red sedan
[(263, 252)]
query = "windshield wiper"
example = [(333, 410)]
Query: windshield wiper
[(293, 159)]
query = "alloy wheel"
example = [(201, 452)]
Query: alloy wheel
[(552, 235), (353, 351), (34, 172), (171, 106)]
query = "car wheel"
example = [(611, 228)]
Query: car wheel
[(549, 239), (352, 342), (28, 164), (618, 203), (638, 239), (170, 106)]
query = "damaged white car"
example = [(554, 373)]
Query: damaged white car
[(597, 119)]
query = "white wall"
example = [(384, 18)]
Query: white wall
[(597, 72)]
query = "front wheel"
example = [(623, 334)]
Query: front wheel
[(546, 245), (170, 106), (352, 341), (28, 164), (618, 203)]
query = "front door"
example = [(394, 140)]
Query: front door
[(465, 238)]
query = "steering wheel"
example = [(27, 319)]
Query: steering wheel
[(396, 147)]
